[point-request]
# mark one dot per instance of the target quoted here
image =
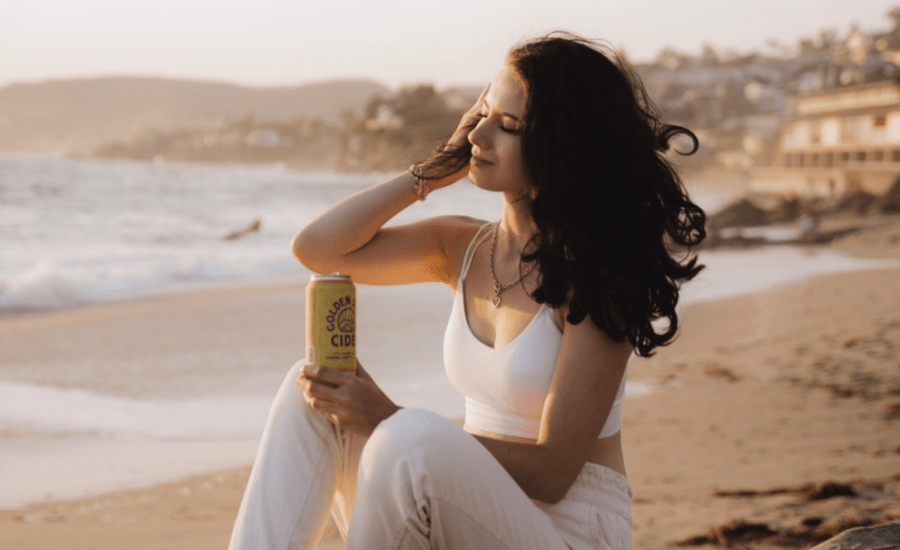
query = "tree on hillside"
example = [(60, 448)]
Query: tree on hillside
[(894, 15), (709, 55), (671, 58), (828, 38)]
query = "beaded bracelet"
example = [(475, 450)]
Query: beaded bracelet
[(420, 187)]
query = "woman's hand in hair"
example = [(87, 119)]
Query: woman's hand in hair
[(469, 120), (350, 400), (449, 164)]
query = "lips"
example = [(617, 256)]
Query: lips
[(479, 161)]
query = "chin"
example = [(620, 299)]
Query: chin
[(476, 179), (481, 182)]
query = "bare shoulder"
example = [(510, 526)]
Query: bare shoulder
[(588, 334)]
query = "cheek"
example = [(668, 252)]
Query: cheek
[(512, 153), (517, 161)]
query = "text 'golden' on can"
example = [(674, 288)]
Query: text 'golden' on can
[(331, 322)]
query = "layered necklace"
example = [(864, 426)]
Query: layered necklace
[(498, 288)]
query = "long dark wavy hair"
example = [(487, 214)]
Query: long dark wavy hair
[(615, 226)]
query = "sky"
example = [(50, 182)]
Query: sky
[(395, 42)]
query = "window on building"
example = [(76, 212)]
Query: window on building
[(878, 156), (880, 121), (860, 156), (845, 157), (829, 160), (800, 160), (814, 159), (895, 155)]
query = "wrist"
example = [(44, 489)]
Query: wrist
[(434, 177), (421, 187)]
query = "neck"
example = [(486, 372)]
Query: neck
[(516, 227)]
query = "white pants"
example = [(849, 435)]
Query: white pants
[(423, 482)]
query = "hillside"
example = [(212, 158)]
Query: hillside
[(80, 114)]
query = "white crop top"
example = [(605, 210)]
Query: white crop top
[(505, 387)]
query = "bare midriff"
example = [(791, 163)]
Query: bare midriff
[(606, 451)]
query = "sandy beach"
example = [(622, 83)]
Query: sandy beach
[(775, 421)]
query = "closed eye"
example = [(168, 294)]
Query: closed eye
[(503, 127)]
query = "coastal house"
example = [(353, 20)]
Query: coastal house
[(840, 140)]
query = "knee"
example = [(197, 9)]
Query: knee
[(412, 423), (290, 410), (408, 435)]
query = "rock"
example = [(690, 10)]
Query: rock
[(878, 537), (788, 209), (743, 213), (889, 203), (830, 489), (252, 228), (857, 202)]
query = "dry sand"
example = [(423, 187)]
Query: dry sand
[(777, 420)]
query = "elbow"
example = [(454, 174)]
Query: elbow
[(557, 481), (300, 247), (553, 491), (307, 251)]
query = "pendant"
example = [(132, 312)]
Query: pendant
[(496, 300)]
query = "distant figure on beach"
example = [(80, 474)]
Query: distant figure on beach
[(581, 270), (809, 224)]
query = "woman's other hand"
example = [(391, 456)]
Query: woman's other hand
[(352, 401)]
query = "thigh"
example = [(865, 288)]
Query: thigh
[(423, 482), (596, 511)]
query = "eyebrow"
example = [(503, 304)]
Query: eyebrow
[(510, 115)]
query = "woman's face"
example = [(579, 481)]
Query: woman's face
[(496, 163)]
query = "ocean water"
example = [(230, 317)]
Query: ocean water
[(81, 231), (77, 232)]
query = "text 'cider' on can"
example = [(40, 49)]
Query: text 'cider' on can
[(331, 322)]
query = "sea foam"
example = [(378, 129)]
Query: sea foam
[(69, 411)]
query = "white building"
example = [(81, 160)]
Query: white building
[(841, 140)]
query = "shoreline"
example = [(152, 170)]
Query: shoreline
[(760, 391)]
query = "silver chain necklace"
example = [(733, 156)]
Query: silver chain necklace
[(498, 288)]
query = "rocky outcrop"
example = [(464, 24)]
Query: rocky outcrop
[(878, 537)]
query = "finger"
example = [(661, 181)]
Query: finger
[(362, 373), (335, 412), (325, 392), (483, 94), (477, 106), (327, 375)]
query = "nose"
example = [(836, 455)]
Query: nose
[(479, 135)]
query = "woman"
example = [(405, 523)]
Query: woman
[(549, 303)]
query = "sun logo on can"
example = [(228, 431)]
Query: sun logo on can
[(346, 320)]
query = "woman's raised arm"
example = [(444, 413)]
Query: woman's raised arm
[(350, 238)]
